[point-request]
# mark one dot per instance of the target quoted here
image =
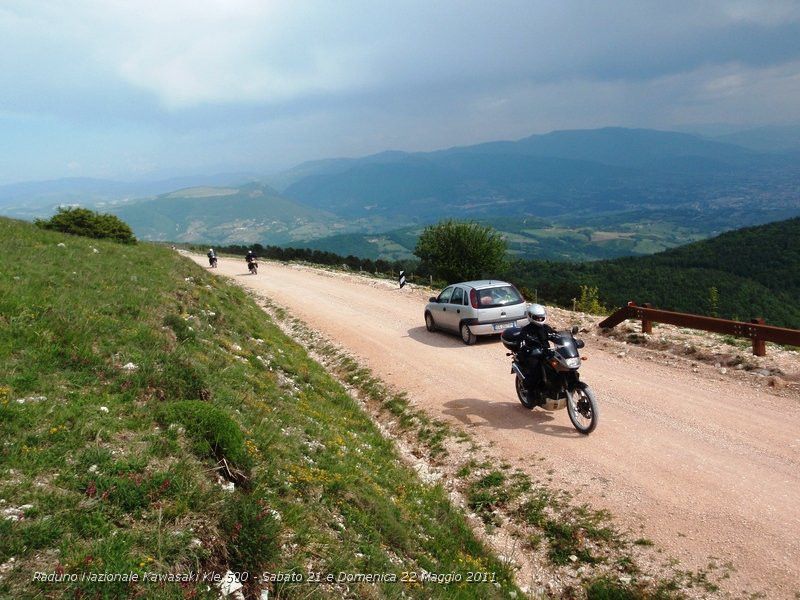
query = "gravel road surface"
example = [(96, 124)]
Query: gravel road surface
[(708, 469)]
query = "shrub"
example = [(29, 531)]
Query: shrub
[(589, 301), (213, 432), (713, 301), (85, 222), (457, 251), (253, 534), (607, 589), (182, 330)]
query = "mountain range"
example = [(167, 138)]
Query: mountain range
[(567, 176), (581, 194)]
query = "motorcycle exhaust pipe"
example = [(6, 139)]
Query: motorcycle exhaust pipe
[(515, 368)]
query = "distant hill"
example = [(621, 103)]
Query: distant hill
[(385, 246), (766, 139), (527, 237), (250, 213), (567, 176), (617, 146), (756, 271), (39, 198)]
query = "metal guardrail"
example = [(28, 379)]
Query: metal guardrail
[(756, 330)]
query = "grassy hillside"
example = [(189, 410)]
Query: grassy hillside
[(135, 388), (756, 271)]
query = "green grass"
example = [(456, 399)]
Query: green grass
[(122, 465)]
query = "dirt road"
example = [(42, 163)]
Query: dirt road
[(707, 468)]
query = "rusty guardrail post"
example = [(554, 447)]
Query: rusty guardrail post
[(759, 345), (647, 324)]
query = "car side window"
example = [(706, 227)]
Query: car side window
[(444, 297), (458, 296)]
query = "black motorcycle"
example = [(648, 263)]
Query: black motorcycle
[(212, 260), (558, 383), (252, 265)]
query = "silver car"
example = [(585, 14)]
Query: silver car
[(476, 308)]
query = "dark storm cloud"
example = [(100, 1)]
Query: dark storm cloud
[(245, 82)]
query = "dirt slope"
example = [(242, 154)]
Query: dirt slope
[(706, 466)]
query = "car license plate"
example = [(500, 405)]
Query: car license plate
[(499, 326)]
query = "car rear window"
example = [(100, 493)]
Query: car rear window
[(504, 295)]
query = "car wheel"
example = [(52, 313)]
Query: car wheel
[(467, 336), (429, 324)]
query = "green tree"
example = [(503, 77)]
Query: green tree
[(589, 302), (85, 222), (459, 251), (713, 301)]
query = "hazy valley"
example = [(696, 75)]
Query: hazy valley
[(566, 195)]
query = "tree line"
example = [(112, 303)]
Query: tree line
[(753, 272), (321, 257)]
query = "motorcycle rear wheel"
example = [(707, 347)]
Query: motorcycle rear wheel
[(523, 395), (582, 408)]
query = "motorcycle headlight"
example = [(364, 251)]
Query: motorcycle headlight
[(574, 363)]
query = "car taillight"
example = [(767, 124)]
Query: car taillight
[(473, 298)]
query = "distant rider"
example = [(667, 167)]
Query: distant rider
[(211, 256), (536, 335), (250, 256)]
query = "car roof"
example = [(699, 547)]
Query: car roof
[(480, 284)]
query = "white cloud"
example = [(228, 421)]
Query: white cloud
[(213, 51), (183, 82), (770, 12)]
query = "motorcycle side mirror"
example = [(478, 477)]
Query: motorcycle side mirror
[(579, 344), (574, 329), (433, 299)]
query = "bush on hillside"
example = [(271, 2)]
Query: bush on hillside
[(457, 251), (589, 301), (85, 222), (212, 431)]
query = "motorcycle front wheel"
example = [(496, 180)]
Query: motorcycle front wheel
[(582, 408), (523, 395)]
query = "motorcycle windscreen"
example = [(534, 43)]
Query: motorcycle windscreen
[(566, 347)]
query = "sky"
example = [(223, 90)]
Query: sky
[(144, 89)]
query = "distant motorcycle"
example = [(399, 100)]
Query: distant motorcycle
[(559, 382), (252, 265), (212, 260)]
